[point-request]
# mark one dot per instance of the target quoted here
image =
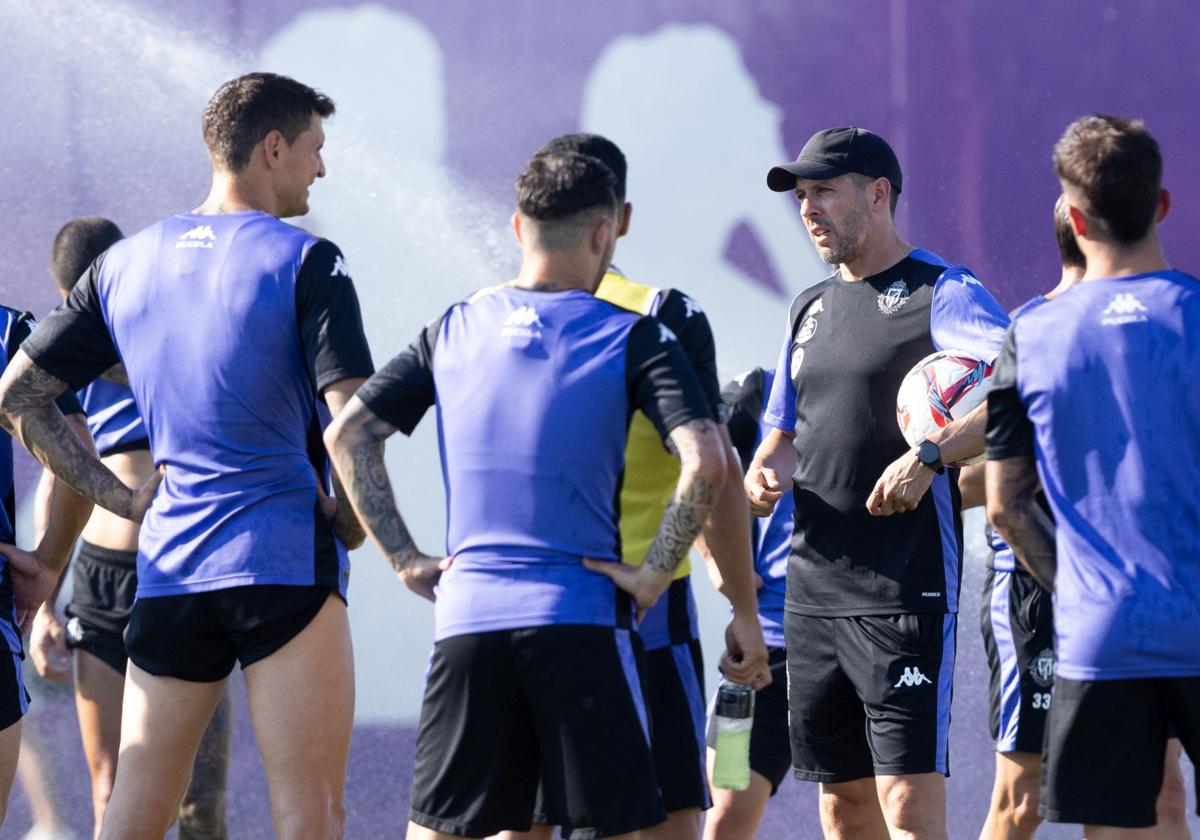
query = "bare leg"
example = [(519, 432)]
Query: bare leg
[(10, 749), (1015, 796), (735, 814), (419, 832), (161, 724), (302, 706), (679, 825), (538, 832), (98, 693), (914, 806), (850, 811), (202, 812), (36, 781), (1103, 832), (1172, 799)]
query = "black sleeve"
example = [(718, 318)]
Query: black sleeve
[(73, 343), (690, 325), (660, 379), (744, 399), (68, 400), (331, 329), (1009, 430), (402, 391)]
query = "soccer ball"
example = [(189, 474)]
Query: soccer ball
[(942, 387)]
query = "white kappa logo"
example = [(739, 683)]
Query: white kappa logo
[(664, 334), (893, 297), (690, 307), (201, 236), (339, 267), (912, 677), (1123, 309), (523, 322)]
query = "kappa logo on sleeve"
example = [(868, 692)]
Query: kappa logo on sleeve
[(690, 307), (664, 334), (339, 267), (201, 236)]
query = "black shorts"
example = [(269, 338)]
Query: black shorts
[(1105, 747), (14, 698), (199, 636), (1017, 619), (770, 752), (104, 584), (562, 705), (870, 695)]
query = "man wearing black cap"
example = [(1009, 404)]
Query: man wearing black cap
[(870, 612)]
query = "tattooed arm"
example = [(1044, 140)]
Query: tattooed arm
[(355, 441), (28, 412), (702, 457), (1013, 510)]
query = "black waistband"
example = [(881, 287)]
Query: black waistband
[(94, 554), (126, 446)]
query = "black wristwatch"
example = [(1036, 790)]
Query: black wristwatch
[(930, 455)]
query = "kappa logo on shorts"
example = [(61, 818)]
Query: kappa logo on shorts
[(893, 297), (339, 267), (1041, 668), (1123, 309), (201, 236), (690, 307), (912, 677), (75, 630)]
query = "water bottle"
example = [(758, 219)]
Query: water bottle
[(734, 717)]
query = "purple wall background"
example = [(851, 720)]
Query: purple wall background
[(972, 94)]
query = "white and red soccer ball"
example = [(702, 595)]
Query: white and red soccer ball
[(943, 387)]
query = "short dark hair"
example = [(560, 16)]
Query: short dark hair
[(554, 186), (1115, 166), (77, 245), (1068, 248), (596, 145), (245, 110)]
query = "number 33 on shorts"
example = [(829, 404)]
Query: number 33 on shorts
[(1041, 700)]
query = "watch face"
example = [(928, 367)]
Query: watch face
[(929, 454)]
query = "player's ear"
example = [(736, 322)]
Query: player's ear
[(1164, 206), (273, 147), (626, 215), (1078, 220), (516, 226)]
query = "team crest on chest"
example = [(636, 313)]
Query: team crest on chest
[(893, 297)]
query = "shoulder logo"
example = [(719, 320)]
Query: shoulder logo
[(690, 307), (339, 267), (201, 236), (523, 322), (893, 297), (797, 361), (912, 677), (806, 330), (817, 307), (1123, 309), (664, 334)]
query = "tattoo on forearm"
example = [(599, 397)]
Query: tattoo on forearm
[(364, 475), (28, 412), (1031, 537), (685, 516)]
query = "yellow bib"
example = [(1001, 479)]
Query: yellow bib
[(651, 472)]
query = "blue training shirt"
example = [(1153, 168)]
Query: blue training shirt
[(113, 418), (534, 394), (1099, 385), (228, 327)]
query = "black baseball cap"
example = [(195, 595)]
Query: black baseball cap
[(836, 151)]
